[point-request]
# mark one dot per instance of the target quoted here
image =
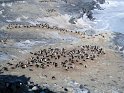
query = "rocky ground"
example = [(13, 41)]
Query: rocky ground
[(41, 51)]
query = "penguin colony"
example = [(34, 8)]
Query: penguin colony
[(58, 58), (47, 26), (43, 25)]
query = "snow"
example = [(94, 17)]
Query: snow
[(25, 17), (3, 56), (1, 11), (28, 44), (9, 20), (18, 19), (9, 4), (3, 4), (33, 22), (61, 20)]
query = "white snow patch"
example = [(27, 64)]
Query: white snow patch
[(81, 23), (25, 17), (28, 43), (33, 22), (3, 57), (18, 19), (3, 4), (21, 1), (61, 20), (9, 4), (9, 20), (1, 12), (24, 51)]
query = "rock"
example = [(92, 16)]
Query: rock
[(42, 92), (53, 77), (30, 69), (65, 89), (70, 90), (101, 1), (122, 49), (72, 20), (83, 89), (34, 88)]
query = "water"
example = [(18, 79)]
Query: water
[(112, 17)]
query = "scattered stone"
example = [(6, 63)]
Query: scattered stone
[(30, 69), (92, 79), (53, 77), (83, 89), (34, 88), (65, 89)]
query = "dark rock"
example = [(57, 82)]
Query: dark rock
[(53, 77), (15, 84), (84, 89), (12, 84), (101, 1), (65, 89), (122, 49), (72, 20), (30, 69)]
